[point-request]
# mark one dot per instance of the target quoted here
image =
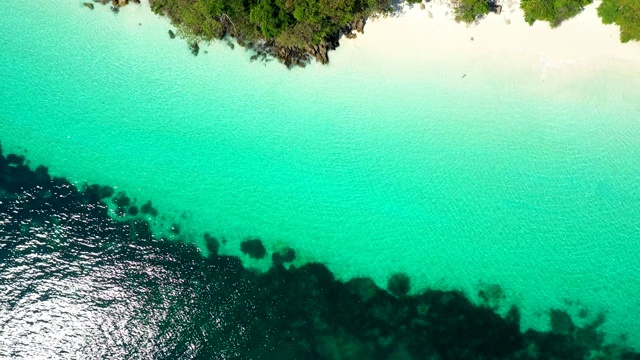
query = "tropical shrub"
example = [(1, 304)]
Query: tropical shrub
[(471, 11), (553, 11), (625, 13)]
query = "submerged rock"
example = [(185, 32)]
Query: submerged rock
[(399, 284), (88, 5), (147, 208), (253, 248), (363, 288), (172, 35), (283, 256), (213, 245), (121, 199), (133, 211), (561, 322), (194, 47)]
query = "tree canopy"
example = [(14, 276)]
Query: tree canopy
[(470, 11), (553, 11), (625, 13), (296, 21)]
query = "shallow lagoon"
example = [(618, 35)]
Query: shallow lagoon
[(370, 172)]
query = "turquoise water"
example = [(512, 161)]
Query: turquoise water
[(367, 170)]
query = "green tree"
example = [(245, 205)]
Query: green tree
[(338, 11), (553, 11), (625, 13), (307, 11), (270, 16), (290, 23), (470, 11), (198, 19)]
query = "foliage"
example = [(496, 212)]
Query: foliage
[(270, 17), (625, 13), (471, 11), (299, 35), (294, 23), (553, 11)]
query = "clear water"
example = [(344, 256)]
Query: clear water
[(371, 169)]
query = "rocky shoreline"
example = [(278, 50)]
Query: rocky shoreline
[(293, 56), (115, 4)]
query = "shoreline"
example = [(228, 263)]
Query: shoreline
[(431, 42), (431, 27), (433, 32), (430, 46)]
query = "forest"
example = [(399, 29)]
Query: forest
[(292, 30)]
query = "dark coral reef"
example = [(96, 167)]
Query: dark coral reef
[(213, 307)]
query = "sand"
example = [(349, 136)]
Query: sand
[(418, 37)]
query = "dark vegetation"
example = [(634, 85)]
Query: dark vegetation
[(213, 307), (553, 11), (471, 11), (292, 30), (625, 13)]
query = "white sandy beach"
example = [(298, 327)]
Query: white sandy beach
[(434, 29), (419, 37)]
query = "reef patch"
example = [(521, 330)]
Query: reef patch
[(59, 244)]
